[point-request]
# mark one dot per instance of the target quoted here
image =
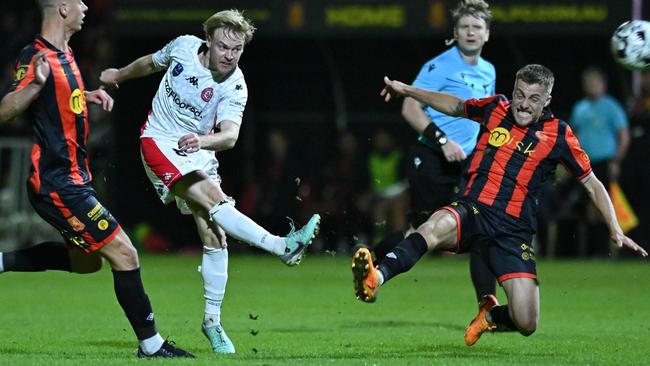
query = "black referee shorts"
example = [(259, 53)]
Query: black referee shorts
[(433, 182)]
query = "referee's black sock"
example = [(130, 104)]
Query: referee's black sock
[(404, 256), (41, 257), (387, 244), (501, 318), (135, 302)]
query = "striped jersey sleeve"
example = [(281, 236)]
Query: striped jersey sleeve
[(572, 156), (24, 68), (479, 110)]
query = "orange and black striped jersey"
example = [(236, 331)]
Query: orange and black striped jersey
[(60, 120), (510, 164)]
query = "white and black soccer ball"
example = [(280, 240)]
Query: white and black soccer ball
[(631, 45)]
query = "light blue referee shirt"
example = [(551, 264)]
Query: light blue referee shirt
[(597, 123), (450, 73)]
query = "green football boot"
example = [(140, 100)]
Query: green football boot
[(298, 240), (218, 339)]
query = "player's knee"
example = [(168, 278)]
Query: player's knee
[(121, 254), (436, 230), (527, 327)]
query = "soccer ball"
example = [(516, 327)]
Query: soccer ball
[(631, 45)]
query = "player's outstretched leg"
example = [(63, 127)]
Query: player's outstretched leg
[(365, 276), (218, 339), (481, 324), (297, 241), (290, 248)]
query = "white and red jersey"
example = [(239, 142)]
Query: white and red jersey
[(188, 99)]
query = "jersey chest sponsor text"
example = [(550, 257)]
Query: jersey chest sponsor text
[(174, 97), (501, 137)]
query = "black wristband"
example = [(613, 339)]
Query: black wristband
[(433, 133)]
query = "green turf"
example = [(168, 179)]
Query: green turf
[(593, 313)]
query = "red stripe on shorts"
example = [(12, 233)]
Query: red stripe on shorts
[(158, 162), (508, 276)]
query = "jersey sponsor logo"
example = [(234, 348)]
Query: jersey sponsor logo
[(193, 80), (95, 212), (180, 103), (238, 87), (75, 223), (501, 136), (77, 101), (207, 94), (21, 72), (178, 69), (527, 252), (102, 225)]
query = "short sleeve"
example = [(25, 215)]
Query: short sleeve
[(232, 106), (478, 109), (430, 77), (162, 58), (572, 156), (24, 69)]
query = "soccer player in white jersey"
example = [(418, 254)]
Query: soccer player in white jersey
[(197, 111)]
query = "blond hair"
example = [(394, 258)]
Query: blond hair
[(537, 74), (233, 21), (476, 8)]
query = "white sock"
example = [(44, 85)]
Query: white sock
[(380, 278), (151, 345), (214, 270), (2, 267), (239, 226)]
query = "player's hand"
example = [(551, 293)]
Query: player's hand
[(393, 89), (109, 78), (41, 68), (621, 240), (453, 152), (101, 97), (190, 143)]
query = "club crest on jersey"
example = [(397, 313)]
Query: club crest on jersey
[(178, 69), (75, 223), (206, 94)]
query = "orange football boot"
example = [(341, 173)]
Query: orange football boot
[(365, 275), (480, 324)]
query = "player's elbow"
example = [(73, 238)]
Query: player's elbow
[(5, 113), (230, 142)]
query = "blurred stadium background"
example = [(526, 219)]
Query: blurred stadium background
[(314, 71)]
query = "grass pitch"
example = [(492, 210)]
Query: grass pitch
[(592, 313)]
